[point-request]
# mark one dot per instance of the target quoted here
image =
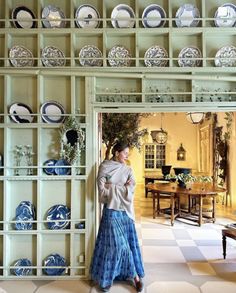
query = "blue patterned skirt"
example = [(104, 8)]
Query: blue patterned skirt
[(117, 253)]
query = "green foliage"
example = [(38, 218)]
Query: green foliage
[(189, 178), (229, 121)]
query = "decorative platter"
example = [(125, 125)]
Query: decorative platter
[(21, 57), (53, 17), (21, 113), (60, 170), (25, 211), (52, 112), (189, 57), (52, 57), (119, 56), (153, 16), (153, 57), (49, 167), (90, 55), (87, 16), (18, 270), (53, 260), (187, 16), (58, 212), (226, 57), (122, 16), (23, 17), (225, 15)]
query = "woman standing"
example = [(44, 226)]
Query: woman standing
[(117, 254)]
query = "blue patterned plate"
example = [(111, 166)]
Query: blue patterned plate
[(225, 15), (187, 16), (53, 260), (52, 112), (153, 16), (50, 167), (25, 211), (58, 212), (87, 16), (53, 17), (122, 16), (60, 170), (18, 271)]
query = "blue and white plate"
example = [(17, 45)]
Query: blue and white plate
[(58, 212), (21, 113), (60, 170), (226, 57), (53, 17), (18, 271), (49, 168), (225, 15), (23, 17), (119, 56), (155, 56), (53, 260), (52, 112), (190, 57), (52, 57), (153, 16), (87, 16), (21, 56), (25, 211), (122, 16), (187, 16)]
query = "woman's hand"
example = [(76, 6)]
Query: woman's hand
[(129, 182)]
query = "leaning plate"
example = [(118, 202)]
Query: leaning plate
[(23, 17), (49, 168), (187, 16), (153, 57), (53, 17), (119, 56), (52, 112), (58, 212), (87, 16), (60, 170), (22, 262), (226, 57), (52, 57), (122, 16), (153, 16), (21, 56), (189, 57), (21, 113), (90, 56), (25, 211), (54, 260), (225, 15)]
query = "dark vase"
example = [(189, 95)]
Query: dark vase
[(182, 170), (165, 169), (181, 184)]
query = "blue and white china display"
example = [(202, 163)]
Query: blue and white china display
[(153, 16), (52, 57), (21, 113), (189, 57), (53, 17), (54, 260), (52, 112), (20, 56), (226, 57), (62, 167), (90, 55), (80, 225), (23, 17), (87, 16), (58, 212), (122, 16), (187, 16), (49, 168), (225, 15), (25, 211), (18, 270), (119, 56), (155, 56)]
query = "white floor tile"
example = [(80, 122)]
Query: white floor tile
[(201, 268), (166, 234), (18, 286), (159, 254), (172, 287), (65, 287), (218, 287), (212, 253), (183, 243), (204, 234)]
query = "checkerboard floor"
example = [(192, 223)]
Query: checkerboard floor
[(182, 258)]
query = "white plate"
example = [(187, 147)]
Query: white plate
[(87, 16), (53, 17), (52, 57), (122, 16), (153, 55), (193, 53), (23, 17), (225, 15), (90, 56), (21, 113), (187, 16), (52, 112), (151, 12), (21, 57), (224, 57), (119, 56)]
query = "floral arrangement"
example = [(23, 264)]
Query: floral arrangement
[(189, 178)]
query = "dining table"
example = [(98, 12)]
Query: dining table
[(194, 194)]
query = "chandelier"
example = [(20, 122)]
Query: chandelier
[(195, 117), (161, 135)]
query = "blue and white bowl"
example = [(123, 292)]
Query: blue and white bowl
[(58, 212), (53, 260), (25, 211), (49, 168), (18, 270)]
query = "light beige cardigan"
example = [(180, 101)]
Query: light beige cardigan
[(116, 196)]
